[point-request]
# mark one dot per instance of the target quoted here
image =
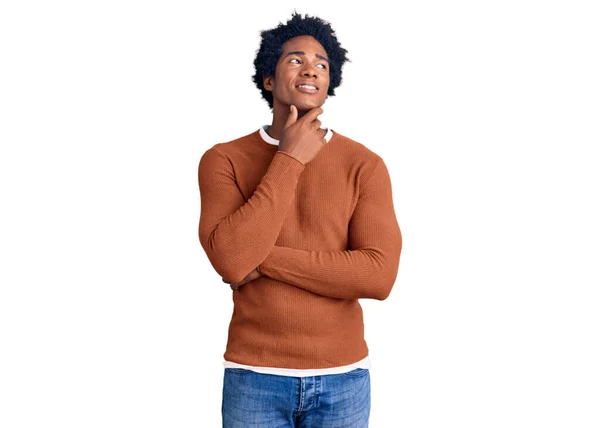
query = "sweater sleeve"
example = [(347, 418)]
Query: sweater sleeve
[(368, 269), (237, 234)]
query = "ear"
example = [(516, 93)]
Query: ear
[(268, 83)]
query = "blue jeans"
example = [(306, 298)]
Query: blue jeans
[(257, 400)]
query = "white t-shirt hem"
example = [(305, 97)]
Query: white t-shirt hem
[(365, 363)]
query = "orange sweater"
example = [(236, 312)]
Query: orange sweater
[(322, 234)]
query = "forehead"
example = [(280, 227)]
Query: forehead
[(308, 44)]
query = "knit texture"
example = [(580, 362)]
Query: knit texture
[(323, 235)]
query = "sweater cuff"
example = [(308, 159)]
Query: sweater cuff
[(280, 152)]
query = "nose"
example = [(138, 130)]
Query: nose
[(309, 70)]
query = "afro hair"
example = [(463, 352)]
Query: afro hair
[(271, 48)]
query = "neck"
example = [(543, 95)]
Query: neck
[(280, 115)]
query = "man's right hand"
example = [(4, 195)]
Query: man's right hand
[(302, 139)]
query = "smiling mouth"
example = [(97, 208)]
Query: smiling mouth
[(307, 89)]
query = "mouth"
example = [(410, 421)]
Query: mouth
[(307, 88)]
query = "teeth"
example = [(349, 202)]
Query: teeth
[(307, 86)]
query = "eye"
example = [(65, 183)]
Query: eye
[(296, 59)]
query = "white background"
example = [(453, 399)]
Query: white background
[(486, 114)]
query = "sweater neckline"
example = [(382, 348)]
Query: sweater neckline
[(270, 140)]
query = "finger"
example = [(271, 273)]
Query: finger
[(312, 114), (292, 117), (316, 124), (253, 275)]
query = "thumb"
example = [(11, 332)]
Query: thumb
[(292, 117)]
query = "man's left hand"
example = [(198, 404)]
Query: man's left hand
[(250, 277)]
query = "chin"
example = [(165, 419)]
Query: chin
[(307, 106)]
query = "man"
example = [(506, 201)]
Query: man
[(300, 221)]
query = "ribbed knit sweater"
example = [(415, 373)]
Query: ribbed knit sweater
[(323, 235)]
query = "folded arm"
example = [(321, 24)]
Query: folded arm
[(237, 234), (368, 269)]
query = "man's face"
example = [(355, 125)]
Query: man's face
[(303, 60)]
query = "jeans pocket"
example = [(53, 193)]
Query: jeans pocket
[(357, 372)]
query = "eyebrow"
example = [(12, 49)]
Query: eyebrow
[(302, 53)]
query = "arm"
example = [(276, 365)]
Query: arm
[(368, 269), (237, 235)]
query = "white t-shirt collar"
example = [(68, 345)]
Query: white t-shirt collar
[(271, 140)]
